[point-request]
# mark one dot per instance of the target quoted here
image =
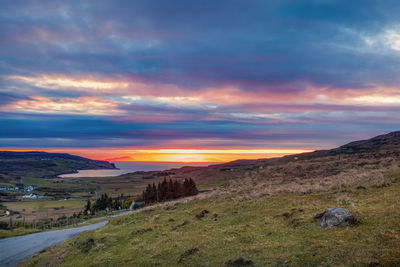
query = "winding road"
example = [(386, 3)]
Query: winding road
[(14, 250)]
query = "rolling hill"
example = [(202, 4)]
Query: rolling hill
[(14, 165), (262, 216), (227, 171)]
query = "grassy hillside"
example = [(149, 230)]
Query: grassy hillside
[(16, 165), (257, 212), (263, 228)]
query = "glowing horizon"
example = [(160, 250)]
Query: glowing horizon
[(170, 155)]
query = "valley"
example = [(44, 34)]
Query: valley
[(257, 212)]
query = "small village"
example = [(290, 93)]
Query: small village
[(26, 189)]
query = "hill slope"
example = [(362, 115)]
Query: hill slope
[(263, 218), (390, 141), (237, 168), (265, 230)]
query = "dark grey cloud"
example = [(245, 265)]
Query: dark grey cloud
[(253, 44)]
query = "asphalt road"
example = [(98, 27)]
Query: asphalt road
[(14, 250)]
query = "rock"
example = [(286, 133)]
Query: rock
[(336, 217)]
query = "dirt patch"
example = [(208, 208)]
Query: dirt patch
[(141, 231), (85, 245), (180, 225), (215, 215), (57, 259), (292, 212), (202, 214), (319, 216), (353, 220), (187, 253), (239, 262), (291, 219)]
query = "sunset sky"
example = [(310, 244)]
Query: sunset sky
[(196, 81)]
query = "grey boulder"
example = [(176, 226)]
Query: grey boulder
[(336, 217)]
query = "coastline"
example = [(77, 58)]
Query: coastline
[(125, 167)]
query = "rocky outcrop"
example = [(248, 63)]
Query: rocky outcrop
[(334, 217)]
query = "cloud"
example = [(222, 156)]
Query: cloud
[(50, 82), (82, 105), (392, 38), (7, 98), (208, 74)]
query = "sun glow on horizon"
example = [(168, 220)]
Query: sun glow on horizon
[(172, 155)]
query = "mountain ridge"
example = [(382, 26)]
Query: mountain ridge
[(224, 171)]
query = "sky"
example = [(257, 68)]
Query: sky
[(196, 80)]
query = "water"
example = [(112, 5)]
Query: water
[(127, 167)]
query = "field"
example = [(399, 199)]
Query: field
[(244, 221), (45, 208), (68, 196)]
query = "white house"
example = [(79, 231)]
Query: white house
[(30, 188), (31, 196)]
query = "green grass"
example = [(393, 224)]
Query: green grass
[(43, 205), (6, 185), (17, 232), (254, 229), (23, 231), (36, 181)]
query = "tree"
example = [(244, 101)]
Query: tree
[(88, 207), (154, 193), (170, 190), (177, 189), (186, 188), (192, 187)]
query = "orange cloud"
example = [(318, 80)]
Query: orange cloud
[(81, 105), (56, 82), (126, 90)]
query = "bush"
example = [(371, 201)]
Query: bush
[(3, 225)]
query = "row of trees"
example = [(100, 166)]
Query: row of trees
[(167, 190), (103, 203)]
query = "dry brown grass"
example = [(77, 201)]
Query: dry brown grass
[(307, 176), (311, 175)]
